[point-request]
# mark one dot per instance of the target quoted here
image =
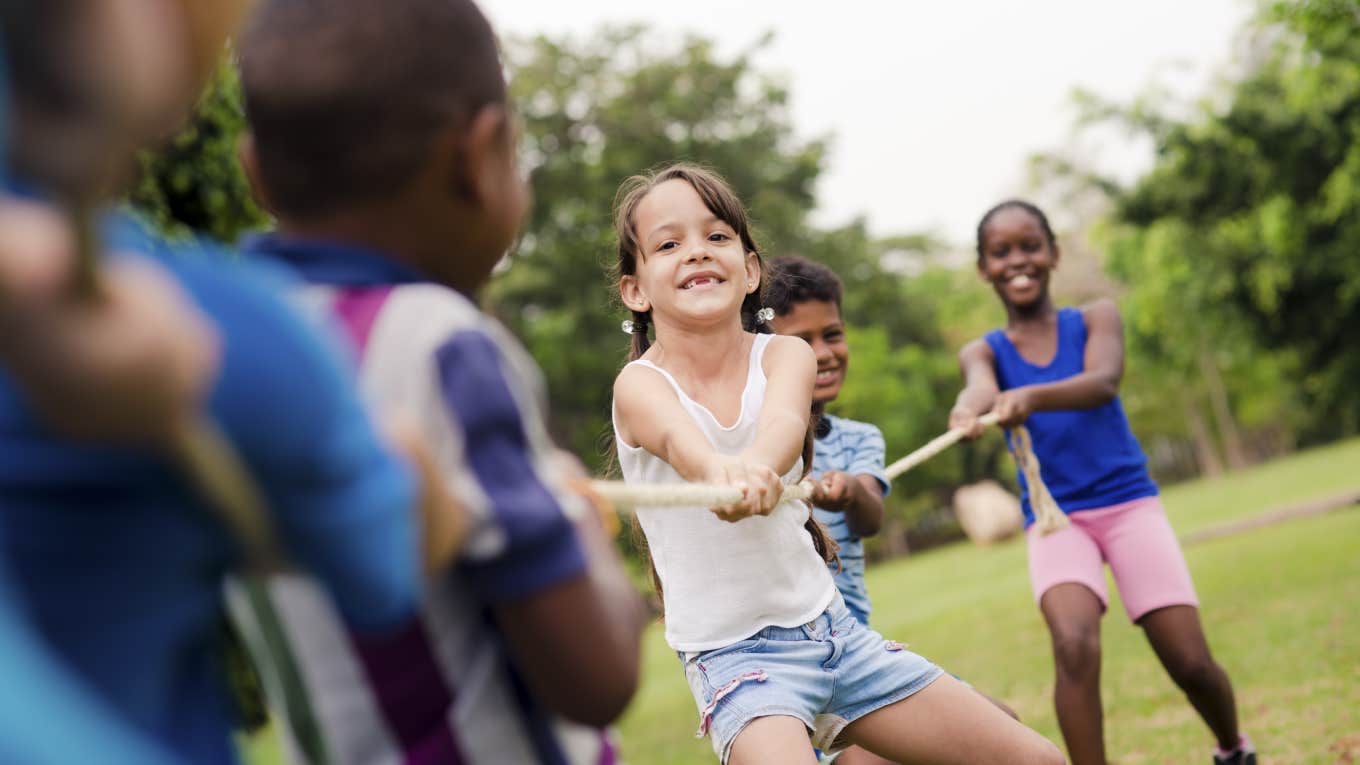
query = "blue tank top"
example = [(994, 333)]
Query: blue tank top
[(1089, 458)]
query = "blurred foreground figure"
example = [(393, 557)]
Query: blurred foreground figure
[(116, 563), (381, 140)]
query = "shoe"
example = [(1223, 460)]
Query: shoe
[(1244, 754)]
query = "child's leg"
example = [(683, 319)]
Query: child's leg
[(1073, 615), (857, 756), (1067, 573), (1177, 637), (1159, 596), (947, 722), (772, 740)]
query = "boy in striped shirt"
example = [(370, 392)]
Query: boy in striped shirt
[(847, 455), (381, 141)]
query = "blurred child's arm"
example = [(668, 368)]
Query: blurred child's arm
[(578, 642), (1096, 385), (130, 367), (443, 520), (980, 388), (571, 619)]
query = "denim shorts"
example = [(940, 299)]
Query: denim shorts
[(827, 673)]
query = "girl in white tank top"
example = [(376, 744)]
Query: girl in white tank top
[(765, 567), (775, 661)]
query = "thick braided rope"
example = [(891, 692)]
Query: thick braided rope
[(625, 496), (1047, 516), (631, 495)]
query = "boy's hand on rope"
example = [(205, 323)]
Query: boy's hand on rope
[(760, 486), (130, 367), (1013, 407), (835, 491)]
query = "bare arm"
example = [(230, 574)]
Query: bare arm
[(651, 416), (860, 497), (1096, 385), (791, 371), (577, 643), (980, 389), (130, 367), (443, 520)]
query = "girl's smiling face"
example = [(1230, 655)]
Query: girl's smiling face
[(691, 266), (1017, 257)]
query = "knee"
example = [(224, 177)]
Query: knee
[(1076, 652), (1046, 752), (1191, 670)]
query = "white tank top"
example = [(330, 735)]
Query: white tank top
[(723, 582)]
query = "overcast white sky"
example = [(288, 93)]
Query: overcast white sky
[(933, 107)]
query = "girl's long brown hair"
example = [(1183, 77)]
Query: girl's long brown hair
[(720, 200)]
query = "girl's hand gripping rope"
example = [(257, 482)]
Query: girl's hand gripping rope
[(760, 486)]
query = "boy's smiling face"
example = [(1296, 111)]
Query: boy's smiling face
[(819, 323)]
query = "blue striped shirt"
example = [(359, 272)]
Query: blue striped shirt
[(856, 448)]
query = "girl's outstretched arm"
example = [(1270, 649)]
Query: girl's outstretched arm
[(650, 415), (791, 373), (980, 388), (1098, 383)]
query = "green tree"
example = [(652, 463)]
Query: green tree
[(1249, 224), (194, 183), (1237, 252)]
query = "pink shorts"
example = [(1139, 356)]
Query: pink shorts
[(1137, 541)]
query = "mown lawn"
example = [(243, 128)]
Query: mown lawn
[(1281, 606)]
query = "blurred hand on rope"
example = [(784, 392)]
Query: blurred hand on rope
[(444, 521), (965, 419), (129, 367)]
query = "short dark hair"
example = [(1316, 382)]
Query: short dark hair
[(345, 97), (795, 280), (1021, 204)]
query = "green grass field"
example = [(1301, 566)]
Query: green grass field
[(1279, 606)]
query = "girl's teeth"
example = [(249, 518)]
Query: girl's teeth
[(1020, 281)]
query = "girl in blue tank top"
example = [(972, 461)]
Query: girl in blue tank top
[(1057, 371)]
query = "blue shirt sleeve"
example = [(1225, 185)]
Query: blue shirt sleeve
[(344, 506), (540, 546), (868, 457)]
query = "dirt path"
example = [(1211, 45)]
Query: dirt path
[(1272, 517)]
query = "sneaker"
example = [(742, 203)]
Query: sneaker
[(1244, 754)]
